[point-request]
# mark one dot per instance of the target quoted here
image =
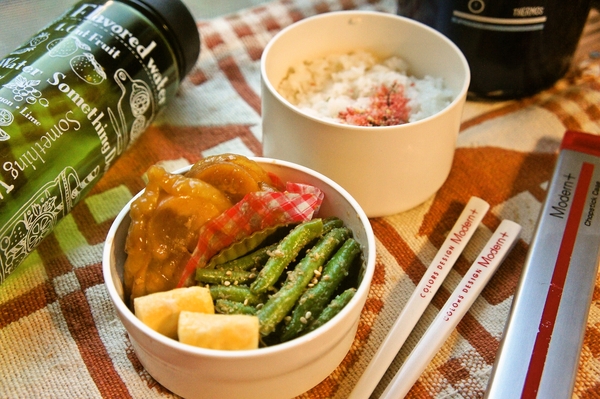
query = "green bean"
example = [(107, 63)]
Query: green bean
[(315, 299), (282, 302), (333, 308), (259, 257), (236, 293), (331, 222), (226, 306), (255, 259), (287, 250), (225, 277)]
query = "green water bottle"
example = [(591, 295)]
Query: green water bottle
[(73, 98)]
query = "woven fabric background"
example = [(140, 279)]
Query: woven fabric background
[(60, 337)]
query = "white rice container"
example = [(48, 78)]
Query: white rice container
[(387, 169)]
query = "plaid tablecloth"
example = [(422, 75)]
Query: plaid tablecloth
[(60, 337)]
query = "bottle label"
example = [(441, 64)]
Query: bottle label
[(72, 99), (516, 17)]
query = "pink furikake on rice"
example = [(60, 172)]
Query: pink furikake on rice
[(359, 89)]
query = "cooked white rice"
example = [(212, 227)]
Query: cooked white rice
[(326, 86)]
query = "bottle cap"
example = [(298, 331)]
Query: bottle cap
[(178, 24)]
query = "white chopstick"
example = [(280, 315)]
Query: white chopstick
[(453, 245), (469, 288)]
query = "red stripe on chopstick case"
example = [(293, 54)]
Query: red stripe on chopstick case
[(581, 142), (546, 326)]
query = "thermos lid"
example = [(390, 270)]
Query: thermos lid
[(177, 22)]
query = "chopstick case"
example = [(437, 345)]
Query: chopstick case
[(539, 353)]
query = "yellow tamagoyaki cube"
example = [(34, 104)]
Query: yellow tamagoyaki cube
[(219, 331), (160, 310)]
